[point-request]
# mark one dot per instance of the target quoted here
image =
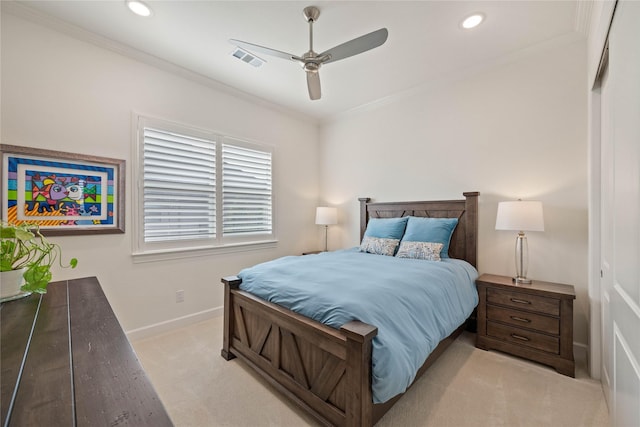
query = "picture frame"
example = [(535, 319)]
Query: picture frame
[(63, 193)]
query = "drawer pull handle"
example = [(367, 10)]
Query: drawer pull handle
[(519, 337), (520, 319), (520, 301)]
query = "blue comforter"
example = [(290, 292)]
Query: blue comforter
[(413, 303)]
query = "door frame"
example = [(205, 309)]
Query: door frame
[(602, 16)]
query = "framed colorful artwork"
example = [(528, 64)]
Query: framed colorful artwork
[(64, 193)]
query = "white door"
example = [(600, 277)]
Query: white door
[(620, 240)]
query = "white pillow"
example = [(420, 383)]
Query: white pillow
[(420, 250), (379, 246)]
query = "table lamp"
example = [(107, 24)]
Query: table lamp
[(520, 216), (326, 216)]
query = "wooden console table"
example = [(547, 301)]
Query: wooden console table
[(67, 362)]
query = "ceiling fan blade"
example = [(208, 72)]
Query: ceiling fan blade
[(267, 51), (356, 46), (313, 83)]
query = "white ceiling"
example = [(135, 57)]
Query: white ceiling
[(426, 43)]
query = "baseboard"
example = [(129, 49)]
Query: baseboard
[(581, 353), (169, 325)]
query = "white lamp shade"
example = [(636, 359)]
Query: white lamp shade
[(326, 216), (520, 216)]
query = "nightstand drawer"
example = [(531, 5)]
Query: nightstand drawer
[(549, 325), (522, 301), (523, 337)]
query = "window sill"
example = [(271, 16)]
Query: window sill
[(169, 254)]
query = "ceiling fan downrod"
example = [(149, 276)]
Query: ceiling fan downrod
[(311, 60), (311, 14)]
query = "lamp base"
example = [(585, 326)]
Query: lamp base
[(326, 232), (521, 280)]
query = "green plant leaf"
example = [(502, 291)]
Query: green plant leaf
[(5, 265), (24, 235), (36, 278), (7, 232)]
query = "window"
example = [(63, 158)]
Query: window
[(198, 190), (246, 191), (179, 187)]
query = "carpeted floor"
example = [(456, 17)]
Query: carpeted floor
[(465, 387)]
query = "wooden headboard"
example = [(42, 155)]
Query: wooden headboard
[(465, 237)]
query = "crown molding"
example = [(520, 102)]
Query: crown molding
[(584, 9), (30, 14), (582, 26), (462, 74)]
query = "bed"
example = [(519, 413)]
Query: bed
[(327, 371)]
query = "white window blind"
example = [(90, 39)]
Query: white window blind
[(246, 191), (199, 192), (179, 196)]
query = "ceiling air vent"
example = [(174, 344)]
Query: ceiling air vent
[(247, 57)]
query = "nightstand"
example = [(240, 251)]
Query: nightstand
[(532, 321)]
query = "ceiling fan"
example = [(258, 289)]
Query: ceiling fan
[(311, 61)]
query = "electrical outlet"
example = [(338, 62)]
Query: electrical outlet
[(180, 295)]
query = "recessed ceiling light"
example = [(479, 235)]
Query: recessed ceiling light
[(472, 21), (138, 7)]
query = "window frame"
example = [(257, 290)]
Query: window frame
[(155, 251)]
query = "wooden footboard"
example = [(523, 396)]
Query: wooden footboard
[(326, 372)]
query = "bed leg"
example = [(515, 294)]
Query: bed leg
[(226, 355), (359, 405), (472, 321), (230, 283)]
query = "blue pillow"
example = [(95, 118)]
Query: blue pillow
[(435, 230), (386, 228)]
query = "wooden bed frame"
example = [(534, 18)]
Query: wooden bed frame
[(326, 371)]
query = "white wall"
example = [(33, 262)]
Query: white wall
[(517, 130), (64, 94)]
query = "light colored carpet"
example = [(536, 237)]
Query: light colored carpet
[(465, 387)]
